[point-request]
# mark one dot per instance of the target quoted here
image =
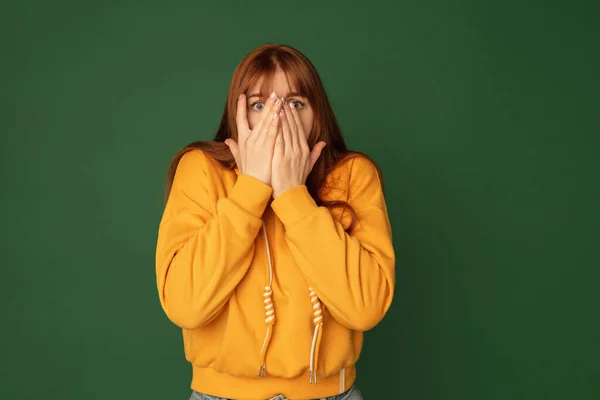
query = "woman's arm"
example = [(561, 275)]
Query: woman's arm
[(353, 274), (205, 244)]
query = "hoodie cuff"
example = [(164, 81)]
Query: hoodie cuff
[(293, 205), (251, 194)]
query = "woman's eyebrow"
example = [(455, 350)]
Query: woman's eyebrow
[(290, 94)]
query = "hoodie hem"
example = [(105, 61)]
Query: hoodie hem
[(211, 382)]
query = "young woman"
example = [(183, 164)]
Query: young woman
[(274, 252)]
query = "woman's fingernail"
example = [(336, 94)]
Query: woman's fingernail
[(273, 95), (277, 101), (241, 96), (291, 105), (275, 116)]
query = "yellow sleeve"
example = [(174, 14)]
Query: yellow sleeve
[(353, 274), (205, 243)]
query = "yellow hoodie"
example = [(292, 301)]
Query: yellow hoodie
[(273, 296)]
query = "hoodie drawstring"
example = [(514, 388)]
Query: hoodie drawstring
[(316, 342), (269, 309), (270, 320)]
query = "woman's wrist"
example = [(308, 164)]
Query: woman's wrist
[(281, 190)]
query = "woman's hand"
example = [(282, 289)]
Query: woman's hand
[(253, 152), (292, 159)]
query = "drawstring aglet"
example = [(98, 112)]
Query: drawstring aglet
[(262, 373), (313, 377)]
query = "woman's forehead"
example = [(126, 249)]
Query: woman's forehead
[(278, 83)]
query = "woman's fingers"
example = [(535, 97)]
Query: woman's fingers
[(233, 147), (253, 151), (299, 142), (286, 130), (279, 145), (315, 153), (266, 115), (268, 138), (241, 117)]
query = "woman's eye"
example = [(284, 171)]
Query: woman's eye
[(297, 104), (258, 106)]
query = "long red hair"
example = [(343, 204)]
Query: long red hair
[(302, 75)]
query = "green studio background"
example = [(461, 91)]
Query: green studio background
[(482, 115)]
